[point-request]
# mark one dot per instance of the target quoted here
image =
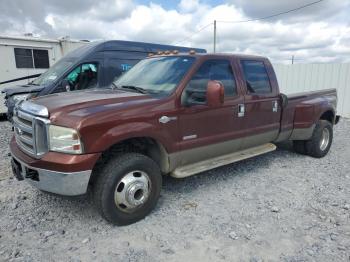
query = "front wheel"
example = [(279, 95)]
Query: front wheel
[(127, 188)]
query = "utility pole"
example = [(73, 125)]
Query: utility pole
[(214, 36), (292, 59)]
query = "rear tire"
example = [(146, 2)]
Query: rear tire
[(321, 140), (127, 188)]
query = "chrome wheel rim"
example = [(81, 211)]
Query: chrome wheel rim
[(132, 191), (324, 139)]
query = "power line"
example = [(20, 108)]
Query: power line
[(196, 32), (249, 20), (274, 15)]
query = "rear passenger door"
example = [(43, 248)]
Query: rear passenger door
[(261, 104), (208, 132)]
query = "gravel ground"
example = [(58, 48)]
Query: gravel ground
[(277, 207)]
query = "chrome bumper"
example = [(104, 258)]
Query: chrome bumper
[(67, 184)]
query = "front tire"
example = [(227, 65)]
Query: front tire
[(321, 140), (127, 188)]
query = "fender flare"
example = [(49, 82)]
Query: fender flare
[(127, 131), (327, 109)]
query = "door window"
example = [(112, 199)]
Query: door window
[(83, 77), (256, 77), (196, 89)]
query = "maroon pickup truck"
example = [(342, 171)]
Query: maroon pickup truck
[(171, 114)]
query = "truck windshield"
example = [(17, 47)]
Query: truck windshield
[(159, 75), (53, 73)]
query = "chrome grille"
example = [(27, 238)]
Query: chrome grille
[(30, 131), (24, 129)]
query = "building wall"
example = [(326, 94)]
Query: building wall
[(67, 46), (309, 77), (8, 70)]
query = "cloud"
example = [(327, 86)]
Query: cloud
[(322, 10), (111, 10), (187, 6), (315, 34)]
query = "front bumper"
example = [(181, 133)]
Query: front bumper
[(63, 177), (67, 184)]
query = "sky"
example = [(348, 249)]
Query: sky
[(317, 34)]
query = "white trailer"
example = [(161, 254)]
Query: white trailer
[(28, 55)]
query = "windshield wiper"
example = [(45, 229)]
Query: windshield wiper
[(135, 88), (113, 86)]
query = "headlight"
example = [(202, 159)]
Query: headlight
[(65, 140), (17, 98)]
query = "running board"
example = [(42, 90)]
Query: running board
[(205, 165)]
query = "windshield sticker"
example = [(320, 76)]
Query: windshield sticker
[(125, 67)]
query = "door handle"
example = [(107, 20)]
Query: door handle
[(274, 106), (166, 119), (241, 110)]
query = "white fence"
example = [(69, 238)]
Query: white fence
[(308, 77)]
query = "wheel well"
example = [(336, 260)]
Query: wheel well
[(328, 115), (143, 145)]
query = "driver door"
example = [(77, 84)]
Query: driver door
[(208, 132)]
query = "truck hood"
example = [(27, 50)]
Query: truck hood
[(75, 106), (22, 89)]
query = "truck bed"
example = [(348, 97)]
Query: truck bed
[(304, 109), (310, 94)]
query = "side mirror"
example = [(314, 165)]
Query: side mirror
[(284, 100), (65, 85), (215, 93)]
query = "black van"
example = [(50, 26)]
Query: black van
[(95, 64)]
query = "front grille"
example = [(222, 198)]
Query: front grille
[(30, 132), (24, 131)]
